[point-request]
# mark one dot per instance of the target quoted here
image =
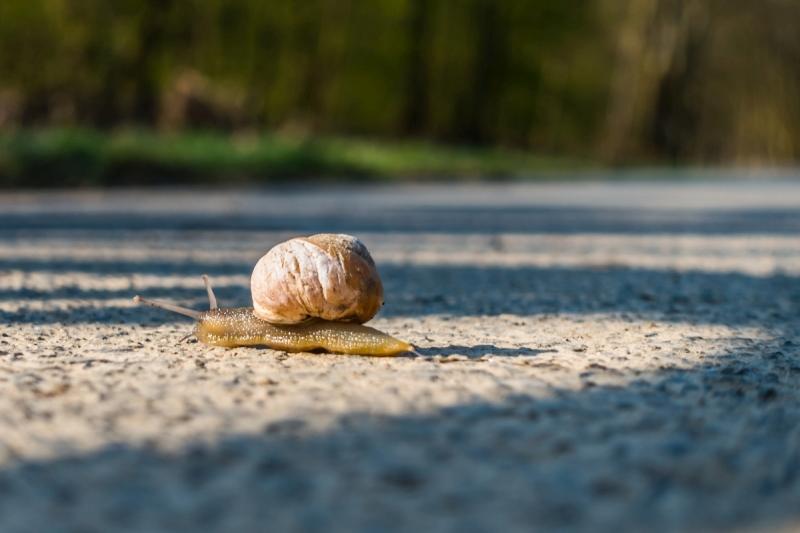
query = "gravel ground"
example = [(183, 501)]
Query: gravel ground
[(595, 357)]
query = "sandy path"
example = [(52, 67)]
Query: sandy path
[(594, 357)]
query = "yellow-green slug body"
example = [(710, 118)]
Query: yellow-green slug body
[(238, 326)]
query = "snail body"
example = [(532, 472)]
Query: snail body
[(309, 294), (239, 326)]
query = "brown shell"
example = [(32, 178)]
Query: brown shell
[(328, 276)]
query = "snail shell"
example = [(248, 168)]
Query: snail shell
[(326, 276)]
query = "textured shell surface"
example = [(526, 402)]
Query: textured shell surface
[(328, 276)]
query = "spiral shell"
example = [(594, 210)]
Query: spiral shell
[(326, 276)]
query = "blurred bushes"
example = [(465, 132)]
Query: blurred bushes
[(66, 158), (669, 80)]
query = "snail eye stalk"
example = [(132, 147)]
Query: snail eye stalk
[(168, 307), (212, 299)]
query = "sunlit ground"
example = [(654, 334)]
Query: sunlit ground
[(592, 357)]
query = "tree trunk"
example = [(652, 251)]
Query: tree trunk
[(415, 115)]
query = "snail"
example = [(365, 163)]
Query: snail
[(309, 294)]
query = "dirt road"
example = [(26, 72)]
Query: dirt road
[(593, 357)]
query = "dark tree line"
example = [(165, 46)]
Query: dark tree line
[(682, 80)]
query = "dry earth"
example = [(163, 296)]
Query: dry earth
[(595, 356)]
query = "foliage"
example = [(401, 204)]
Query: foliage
[(84, 158), (664, 80)]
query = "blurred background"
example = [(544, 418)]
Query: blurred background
[(149, 91)]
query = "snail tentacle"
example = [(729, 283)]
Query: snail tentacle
[(168, 307), (212, 299)]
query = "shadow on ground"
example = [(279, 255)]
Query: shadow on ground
[(694, 296), (711, 448), (479, 350), (544, 219)]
